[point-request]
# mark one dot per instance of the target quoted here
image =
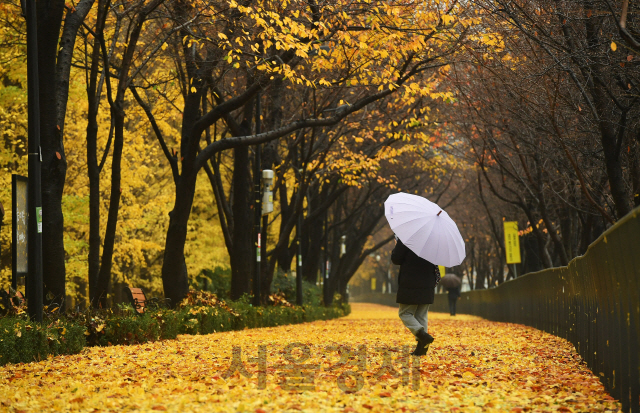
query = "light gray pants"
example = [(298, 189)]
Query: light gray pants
[(414, 316)]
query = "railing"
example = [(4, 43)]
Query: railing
[(594, 303)]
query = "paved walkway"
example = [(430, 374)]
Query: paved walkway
[(473, 366)]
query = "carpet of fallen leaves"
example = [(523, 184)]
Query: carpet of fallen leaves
[(473, 366)]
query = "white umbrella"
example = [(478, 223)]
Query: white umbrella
[(425, 229)]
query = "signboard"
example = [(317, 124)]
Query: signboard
[(373, 284), (19, 219), (512, 242), (39, 219), (441, 267)]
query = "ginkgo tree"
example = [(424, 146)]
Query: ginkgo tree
[(351, 55), (344, 173), (342, 92)]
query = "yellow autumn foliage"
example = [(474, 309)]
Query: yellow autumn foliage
[(473, 366)]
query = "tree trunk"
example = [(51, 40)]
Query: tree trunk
[(175, 280), (635, 169), (471, 262), (283, 255), (93, 169), (613, 165), (117, 116), (54, 169), (94, 206), (104, 275), (54, 64), (243, 256), (313, 250), (610, 146), (585, 235), (331, 284), (269, 158)]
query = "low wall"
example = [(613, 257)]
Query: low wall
[(594, 303), (440, 305)]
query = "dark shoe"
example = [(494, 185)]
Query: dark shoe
[(419, 348), (424, 339), (420, 351)]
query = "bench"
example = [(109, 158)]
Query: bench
[(137, 298), (14, 301), (18, 298)]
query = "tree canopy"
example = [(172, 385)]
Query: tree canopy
[(157, 114)]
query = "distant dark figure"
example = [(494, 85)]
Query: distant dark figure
[(454, 294)]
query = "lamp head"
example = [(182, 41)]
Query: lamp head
[(267, 177)]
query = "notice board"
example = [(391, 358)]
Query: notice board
[(512, 242), (19, 220)]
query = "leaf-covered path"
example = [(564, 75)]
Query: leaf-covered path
[(473, 366)]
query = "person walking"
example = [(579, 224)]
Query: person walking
[(416, 287), (453, 295)]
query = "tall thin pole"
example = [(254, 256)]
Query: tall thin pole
[(299, 230), (325, 273), (1, 223), (34, 275), (299, 261), (258, 207)]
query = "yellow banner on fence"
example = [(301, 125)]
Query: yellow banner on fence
[(373, 284), (441, 270), (512, 242)]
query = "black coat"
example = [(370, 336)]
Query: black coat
[(454, 292), (417, 279)]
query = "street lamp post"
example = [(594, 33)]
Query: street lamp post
[(299, 254), (267, 208), (258, 209), (1, 222), (34, 288), (299, 261), (343, 251), (376, 273)]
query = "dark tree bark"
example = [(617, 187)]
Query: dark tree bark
[(635, 170), (542, 207), (283, 255), (93, 167), (498, 236), (117, 118), (312, 244), (608, 136), (194, 158), (53, 69), (243, 255)]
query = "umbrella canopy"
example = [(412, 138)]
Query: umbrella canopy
[(450, 281), (425, 229)]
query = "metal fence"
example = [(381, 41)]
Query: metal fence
[(594, 303)]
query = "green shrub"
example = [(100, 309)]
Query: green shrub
[(217, 281), (23, 341), (127, 327), (311, 293)]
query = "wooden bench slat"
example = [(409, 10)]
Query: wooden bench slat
[(16, 300), (137, 297)]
